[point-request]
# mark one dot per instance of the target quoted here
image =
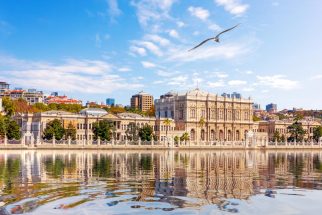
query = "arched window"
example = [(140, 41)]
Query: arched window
[(202, 134), (212, 135), (221, 135), (229, 135), (192, 134), (193, 113), (213, 114), (237, 135)]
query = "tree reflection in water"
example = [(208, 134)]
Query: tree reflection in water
[(180, 178)]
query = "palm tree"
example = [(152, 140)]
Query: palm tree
[(202, 122), (167, 123), (185, 137)]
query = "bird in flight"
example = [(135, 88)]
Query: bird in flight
[(216, 38)]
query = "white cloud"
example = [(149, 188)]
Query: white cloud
[(150, 46), (124, 69), (173, 33), (72, 75), (277, 81), (180, 81), (316, 77), (138, 50), (180, 24), (147, 64), (199, 12), (113, 8), (157, 39), (158, 82), (210, 51), (249, 72), (149, 11), (248, 89), (163, 73), (234, 7), (214, 27), (237, 83), (216, 84)]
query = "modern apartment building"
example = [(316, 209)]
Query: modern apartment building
[(272, 108), (110, 101), (142, 101)]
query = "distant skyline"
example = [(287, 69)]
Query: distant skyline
[(93, 50)]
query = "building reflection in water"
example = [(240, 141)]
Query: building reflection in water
[(208, 176)]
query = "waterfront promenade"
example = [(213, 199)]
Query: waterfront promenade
[(149, 145)]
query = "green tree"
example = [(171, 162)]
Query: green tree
[(70, 131), (132, 132), (283, 138), (185, 137), (146, 133), (317, 133), (54, 127), (277, 136), (256, 118), (176, 139), (103, 129), (13, 130), (296, 132), (8, 106), (40, 107), (10, 128)]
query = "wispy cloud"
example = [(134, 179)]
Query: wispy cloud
[(216, 84), (149, 11), (199, 12), (173, 33), (113, 8), (277, 81), (147, 64), (227, 51), (237, 82), (316, 77), (234, 7), (72, 75)]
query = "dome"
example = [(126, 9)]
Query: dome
[(129, 115), (93, 111)]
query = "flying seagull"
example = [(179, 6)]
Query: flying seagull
[(216, 38)]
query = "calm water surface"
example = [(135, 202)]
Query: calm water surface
[(161, 182)]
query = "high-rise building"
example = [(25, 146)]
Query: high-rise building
[(272, 108), (256, 106), (110, 101), (54, 94), (142, 101), (4, 86)]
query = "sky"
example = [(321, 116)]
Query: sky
[(96, 49)]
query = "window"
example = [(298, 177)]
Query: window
[(192, 134), (203, 114), (213, 114), (180, 114), (193, 113), (212, 135)]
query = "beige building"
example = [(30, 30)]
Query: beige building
[(142, 101), (206, 116), (83, 122), (281, 126)]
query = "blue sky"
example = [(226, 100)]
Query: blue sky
[(96, 49)]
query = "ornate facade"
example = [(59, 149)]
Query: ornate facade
[(206, 116)]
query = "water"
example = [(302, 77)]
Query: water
[(161, 182)]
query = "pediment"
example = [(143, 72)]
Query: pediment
[(110, 116)]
